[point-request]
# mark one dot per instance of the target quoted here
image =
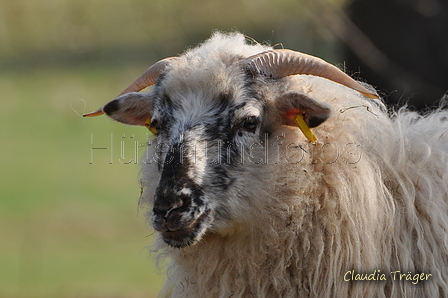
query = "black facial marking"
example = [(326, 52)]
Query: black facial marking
[(250, 80), (167, 104), (233, 154), (224, 98), (197, 194), (160, 80), (222, 179), (221, 115), (175, 167), (250, 72)]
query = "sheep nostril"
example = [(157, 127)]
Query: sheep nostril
[(164, 210)]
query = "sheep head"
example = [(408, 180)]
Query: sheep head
[(206, 115)]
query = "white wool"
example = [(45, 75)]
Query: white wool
[(372, 194)]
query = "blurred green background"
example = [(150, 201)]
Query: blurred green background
[(69, 219)]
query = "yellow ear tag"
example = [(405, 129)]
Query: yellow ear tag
[(148, 126), (305, 129)]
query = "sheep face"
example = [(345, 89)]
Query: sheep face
[(204, 135), (211, 126), (201, 133), (199, 162)]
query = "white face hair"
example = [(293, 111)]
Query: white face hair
[(210, 110)]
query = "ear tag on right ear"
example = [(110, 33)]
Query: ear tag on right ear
[(148, 126), (305, 129)]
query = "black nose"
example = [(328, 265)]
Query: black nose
[(167, 212), (164, 207)]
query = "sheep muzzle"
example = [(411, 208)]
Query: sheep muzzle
[(180, 212)]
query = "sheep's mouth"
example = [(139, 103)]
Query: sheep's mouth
[(189, 235)]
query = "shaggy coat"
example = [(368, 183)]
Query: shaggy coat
[(287, 218)]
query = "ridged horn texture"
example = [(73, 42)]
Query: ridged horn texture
[(148, 78), (281, 63)]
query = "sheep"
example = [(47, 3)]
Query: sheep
[(245, 205)]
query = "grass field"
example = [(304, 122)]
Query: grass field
[(69, 219)]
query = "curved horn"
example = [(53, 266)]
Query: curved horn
[(148, 78), (282, 63)]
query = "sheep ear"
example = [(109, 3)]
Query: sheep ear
[(131, 108), (292, 103)]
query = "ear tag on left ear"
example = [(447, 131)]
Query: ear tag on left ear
[(305, 129), (148, 126)]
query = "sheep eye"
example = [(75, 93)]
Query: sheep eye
[(250, 123)]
